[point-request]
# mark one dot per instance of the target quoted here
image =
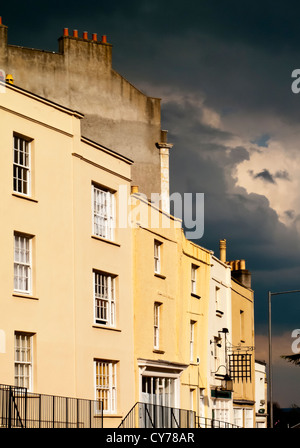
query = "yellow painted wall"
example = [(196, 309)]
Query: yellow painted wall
[(178, 307), (243, 300), (58, 214)]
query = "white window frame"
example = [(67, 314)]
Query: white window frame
[(242, 325), (222, 412), (192, 339), (156, 325), (248, 418), (22, 263), (238, 417), (217, 298), (157, 257), (21, 168), (103, 203), (104, 298), (106, 385), (216, 354), (160, 388), (23, 360), (194, 269)]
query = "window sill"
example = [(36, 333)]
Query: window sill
[(156, 274), (24, 296), (95, 237), (105, 327), (193, 294), (161, 352), (22, 196)]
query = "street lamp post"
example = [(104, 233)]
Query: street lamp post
[(270, 382)]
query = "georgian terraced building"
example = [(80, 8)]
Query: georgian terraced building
[(103, 298)]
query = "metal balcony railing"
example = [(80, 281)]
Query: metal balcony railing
[(146, 415), (22, 409), (203, 422)]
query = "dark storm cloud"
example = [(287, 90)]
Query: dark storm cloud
[(282, 174), (237, 56), (264, 175), (251, 227), (268, 177)]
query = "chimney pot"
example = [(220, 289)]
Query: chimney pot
[(66, 32), (104, 39), (85, 35), (75, 33), (94, 37), (242, 264)]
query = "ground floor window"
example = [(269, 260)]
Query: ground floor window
[(243, 417), (158, 390), (221, 412), (23, 360), (106, 385)]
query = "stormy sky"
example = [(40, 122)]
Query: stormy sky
[(223, 70)]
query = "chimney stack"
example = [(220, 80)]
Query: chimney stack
[(223, 251), (240, 273)]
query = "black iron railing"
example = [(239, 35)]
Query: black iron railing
[(22, 409), (146, 415), (203, 422)]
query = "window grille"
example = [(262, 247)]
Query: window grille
[(240, 366)]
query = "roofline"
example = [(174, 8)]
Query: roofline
[(42, 99), (111, 151)]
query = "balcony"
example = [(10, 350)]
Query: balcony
[(22, 409)]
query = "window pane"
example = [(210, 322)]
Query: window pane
[(104, 296), (21, 166), (22, 263), (103, 205), (23, 360), (106, 385)]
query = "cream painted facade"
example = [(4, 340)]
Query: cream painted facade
[(260, 394), (53, 256), (194, 304), (220, 400), (171, 299), (126, 298)]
